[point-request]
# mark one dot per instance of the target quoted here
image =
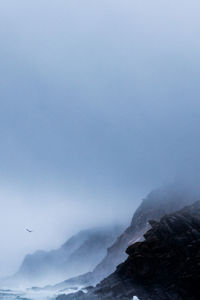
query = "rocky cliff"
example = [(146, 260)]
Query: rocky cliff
[(165, 266), (158, 203)]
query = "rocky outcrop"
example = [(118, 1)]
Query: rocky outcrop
[(158, 203), (167, 263), (165, 266)]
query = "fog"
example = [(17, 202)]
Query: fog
[(99, 104)]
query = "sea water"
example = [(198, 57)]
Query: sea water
[(7, 294), (31, 294)]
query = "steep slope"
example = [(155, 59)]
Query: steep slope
[(158, 203), (79, 254), (165, 266), (167, 263), (90, 253)]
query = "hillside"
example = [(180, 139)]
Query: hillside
[(166, 265), (158, 203), (80, 254)]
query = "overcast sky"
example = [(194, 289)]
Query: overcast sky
[(99, 103)]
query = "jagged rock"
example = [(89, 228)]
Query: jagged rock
[(158, 203), (167, 263), (165, 266)]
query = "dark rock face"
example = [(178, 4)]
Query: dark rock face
[(157, 204), (165, 266), (167, 263)]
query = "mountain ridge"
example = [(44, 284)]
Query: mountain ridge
[(159, 202), (44, 267), (165, 265)]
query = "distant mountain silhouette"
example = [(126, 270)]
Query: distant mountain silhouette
[(80, 254)]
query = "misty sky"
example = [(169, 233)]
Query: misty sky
[(99, 103)]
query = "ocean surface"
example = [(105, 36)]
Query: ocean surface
[(34, 295), (29, 294)]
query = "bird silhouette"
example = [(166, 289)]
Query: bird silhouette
[(29, 230)]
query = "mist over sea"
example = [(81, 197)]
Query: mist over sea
[(31, 294)]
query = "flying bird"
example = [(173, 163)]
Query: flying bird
[(29, 230)]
